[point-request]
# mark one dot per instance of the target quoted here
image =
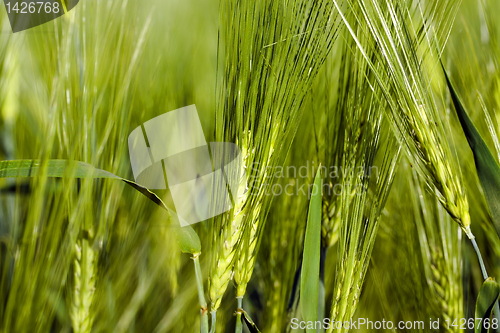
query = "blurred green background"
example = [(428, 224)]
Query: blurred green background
[(76, 87)]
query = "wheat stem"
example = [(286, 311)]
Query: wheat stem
[(483, 271), (480, 258), (239, 327), (201, 295), (214, 321)]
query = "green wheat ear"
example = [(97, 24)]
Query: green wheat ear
[(84, 278), (412, 107), (259, 97), (441, 251)]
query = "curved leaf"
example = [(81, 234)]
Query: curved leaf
[(309, 280), (485, 301), (188, 240), (249, 322), (487, 167)]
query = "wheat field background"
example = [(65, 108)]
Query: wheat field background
[(352, 85)]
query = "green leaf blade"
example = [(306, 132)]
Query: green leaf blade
[(485, 301), (250, 324), (187, 238), (487, 167), (309, 280), (52, 168)]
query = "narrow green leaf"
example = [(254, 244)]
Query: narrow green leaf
[(188, 240), (487, 167), (485, 301), (249, 322), (309, 280), (52, 168)]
